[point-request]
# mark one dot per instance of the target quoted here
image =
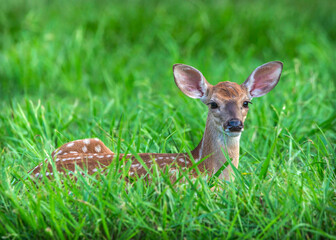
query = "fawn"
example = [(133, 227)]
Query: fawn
[(228, 104)]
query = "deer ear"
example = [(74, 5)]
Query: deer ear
[(263, 79), (190, 81)]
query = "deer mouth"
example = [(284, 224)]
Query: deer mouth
[(233, 133)]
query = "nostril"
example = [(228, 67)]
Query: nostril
[(235, 123)]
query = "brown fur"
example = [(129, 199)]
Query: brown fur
[(66, 161), (71, 154)]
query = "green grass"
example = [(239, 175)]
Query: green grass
[(78, 69)]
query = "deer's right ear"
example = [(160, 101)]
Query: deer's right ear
[(191, 81)]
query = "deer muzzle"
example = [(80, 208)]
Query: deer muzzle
[(234, 125)]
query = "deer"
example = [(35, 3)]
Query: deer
[(228, 104)]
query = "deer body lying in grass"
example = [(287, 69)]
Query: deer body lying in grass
[(228, 104)]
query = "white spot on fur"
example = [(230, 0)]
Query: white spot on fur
[(73, 152), (135, 165), (57, 159), (71, 144), (101, 156), (37, 174), (172, 158), (131, 173), (94, 170), (84, 149), (160, 157), (98, 148), (78, 157), (109, 156), (181, 160), (90, 156), (97, 139), (47, 173), (65, 153), (86, 141)]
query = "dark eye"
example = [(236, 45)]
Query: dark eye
[(213, 105), (246, 103)]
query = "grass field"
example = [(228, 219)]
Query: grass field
[(79, 69)]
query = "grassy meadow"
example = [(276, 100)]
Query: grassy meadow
[(78, 69)]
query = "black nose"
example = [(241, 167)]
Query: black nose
[(235, 125)]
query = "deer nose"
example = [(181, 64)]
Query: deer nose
[(235, 125)]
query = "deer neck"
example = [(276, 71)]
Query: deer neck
[(214, 147)]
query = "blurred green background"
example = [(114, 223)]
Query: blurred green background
[(78, 69), (116, 57), (69, 48)]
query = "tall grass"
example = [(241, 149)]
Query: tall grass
[(71, 70)]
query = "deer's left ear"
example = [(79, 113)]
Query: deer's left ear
[(263, 79)]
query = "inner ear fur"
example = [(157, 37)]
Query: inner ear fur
[(191, 81), (263, 79)]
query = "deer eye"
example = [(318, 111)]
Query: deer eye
[(246, 103), (213, 105)]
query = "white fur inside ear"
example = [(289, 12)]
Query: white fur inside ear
[(190, 81), (185, 83), (263, 79)]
